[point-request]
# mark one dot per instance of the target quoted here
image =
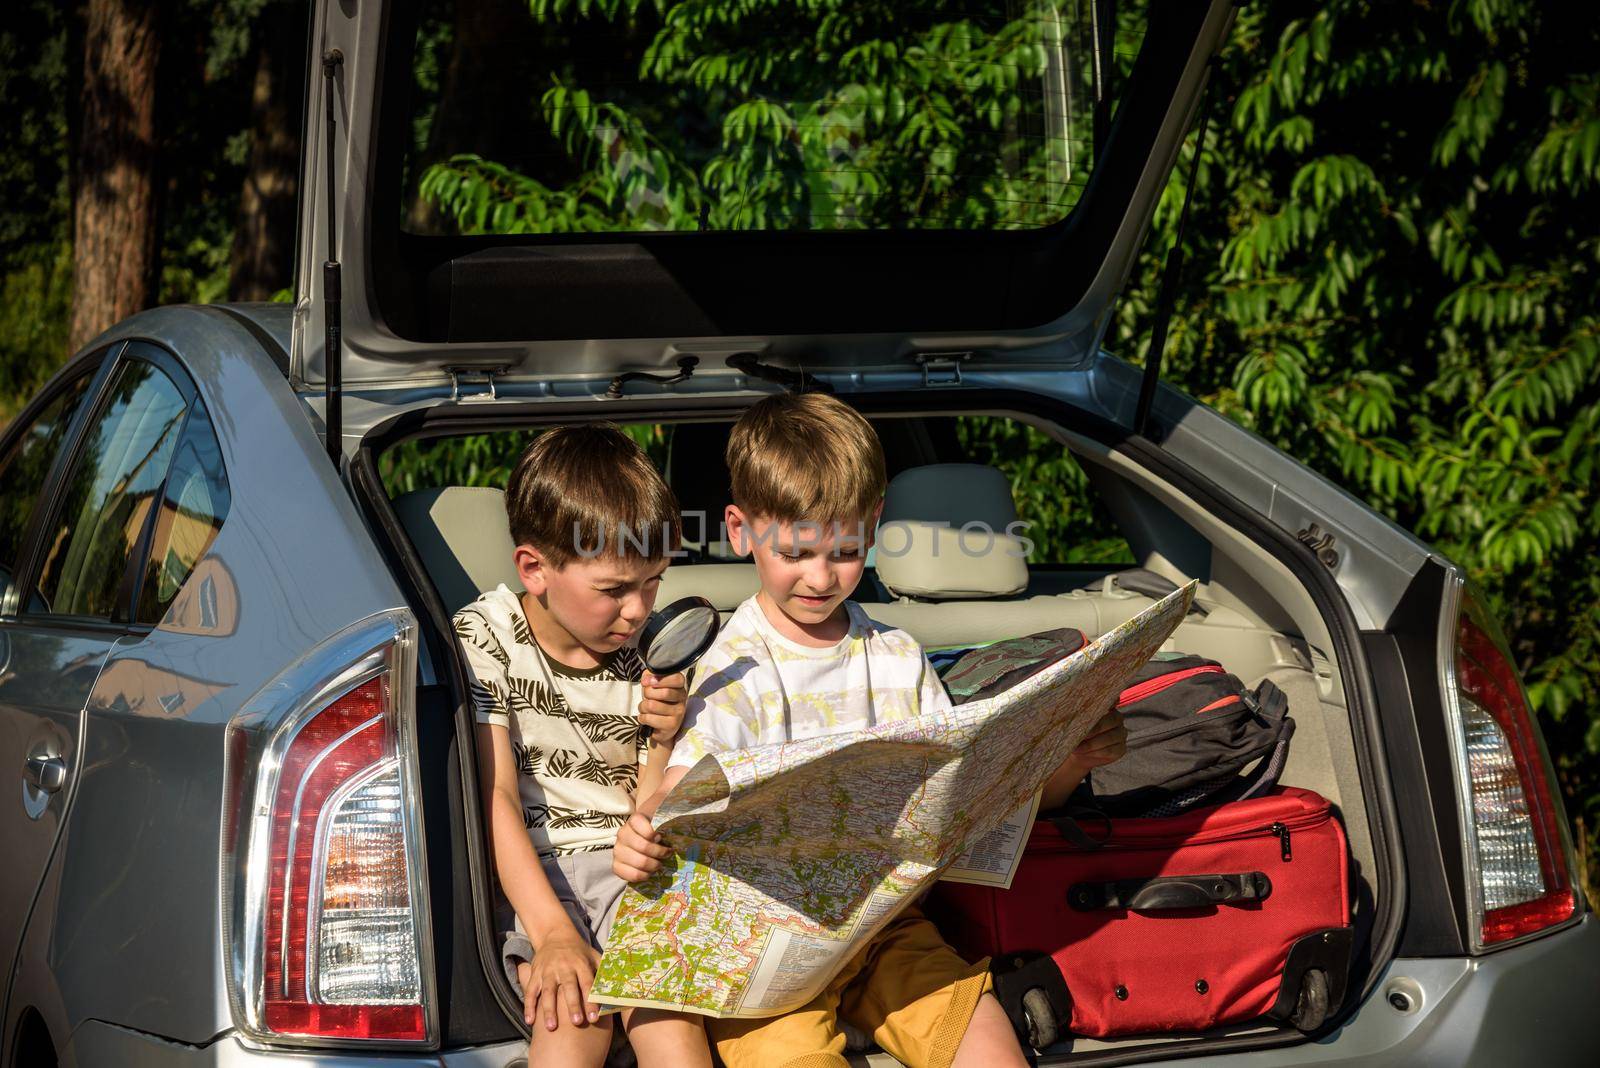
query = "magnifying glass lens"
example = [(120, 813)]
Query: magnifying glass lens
[(681, 641)]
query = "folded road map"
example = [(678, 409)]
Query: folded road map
[(787, 858)]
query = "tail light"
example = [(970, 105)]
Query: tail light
[(1520, 872), (324, 879)]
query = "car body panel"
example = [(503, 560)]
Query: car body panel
[(129, 931), (1533, 1004), (1505, 1008), (45, 681)]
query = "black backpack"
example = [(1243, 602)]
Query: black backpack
[(1193, 728)]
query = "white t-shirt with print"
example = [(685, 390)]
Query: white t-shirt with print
[(755, 686), (575, 733)]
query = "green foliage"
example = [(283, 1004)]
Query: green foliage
[(473, 460), (37, 297), (830, 114), (1392, 275), (35, 250), (1050, 490), (33, 175), (486, 459), (202, 116)]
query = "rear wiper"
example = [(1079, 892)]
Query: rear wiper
[(746, 363)]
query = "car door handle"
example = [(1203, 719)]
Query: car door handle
[(47, 773)]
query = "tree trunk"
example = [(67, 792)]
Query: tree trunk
[(114, 210), (492, 43), (263, 236)]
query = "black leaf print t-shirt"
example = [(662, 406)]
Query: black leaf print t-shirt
[(574, 733)]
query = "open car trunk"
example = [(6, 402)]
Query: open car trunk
[(1259, 611)]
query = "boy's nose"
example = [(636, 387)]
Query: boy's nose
[(634, 609), (819, 575)]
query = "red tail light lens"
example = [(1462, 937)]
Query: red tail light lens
[(326, 782), (324, 884), (1518, 856)]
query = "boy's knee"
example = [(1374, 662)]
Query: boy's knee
[(666, 1038), (662, 1019)]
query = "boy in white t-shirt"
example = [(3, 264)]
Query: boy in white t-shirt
[(799, 659), (572, 728)]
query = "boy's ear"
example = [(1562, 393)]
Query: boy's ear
[(733, 521), (532, 568)]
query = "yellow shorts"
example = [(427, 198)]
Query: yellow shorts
[(906, 988)]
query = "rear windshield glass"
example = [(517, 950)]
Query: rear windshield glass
[(589, 116)]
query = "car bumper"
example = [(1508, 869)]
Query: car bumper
[(1530, 1004), (1537, 1003), (100, 1045)]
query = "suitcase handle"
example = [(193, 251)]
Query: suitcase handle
[(1069, 825), (1170, 892)]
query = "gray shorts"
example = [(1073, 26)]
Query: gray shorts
[(588, 889)]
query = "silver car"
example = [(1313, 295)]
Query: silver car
[(247, 828)]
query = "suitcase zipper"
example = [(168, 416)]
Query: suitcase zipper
[(1282, 832), (1149, 687), (1279, 829)]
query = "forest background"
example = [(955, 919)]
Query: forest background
[(1393, 257)]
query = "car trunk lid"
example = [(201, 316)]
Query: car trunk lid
[(1016, 282)]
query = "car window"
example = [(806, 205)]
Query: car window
[(23, 469), (682, 115), (192, 509), (1067, 522), (120, 470)]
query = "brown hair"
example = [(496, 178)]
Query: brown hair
[(590, 491), (805, 457)]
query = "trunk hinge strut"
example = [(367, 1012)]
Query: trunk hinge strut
[(795, 381), (332, 353), (942, 368), (1169, 283), (686, 366), (485, 376)]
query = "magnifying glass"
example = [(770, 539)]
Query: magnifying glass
[(676, 636)]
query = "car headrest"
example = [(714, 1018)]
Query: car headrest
[(947, 534), (724, 585), (463, 538)]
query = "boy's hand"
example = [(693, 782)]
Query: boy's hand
[(1107, 741), (639, 850), (555, 984), (663, 704)]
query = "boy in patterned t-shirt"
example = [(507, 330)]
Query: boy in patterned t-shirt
[(798, 660), (572, 728)]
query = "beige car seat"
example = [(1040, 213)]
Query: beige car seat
[(951, 553), (463, 538)]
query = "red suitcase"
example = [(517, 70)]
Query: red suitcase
[(1222, 914)]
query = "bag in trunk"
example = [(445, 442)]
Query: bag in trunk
[(1193, 728), (1222, 914)]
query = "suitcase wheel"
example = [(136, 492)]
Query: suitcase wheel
[(1312, 1008), (1043, 1030)]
